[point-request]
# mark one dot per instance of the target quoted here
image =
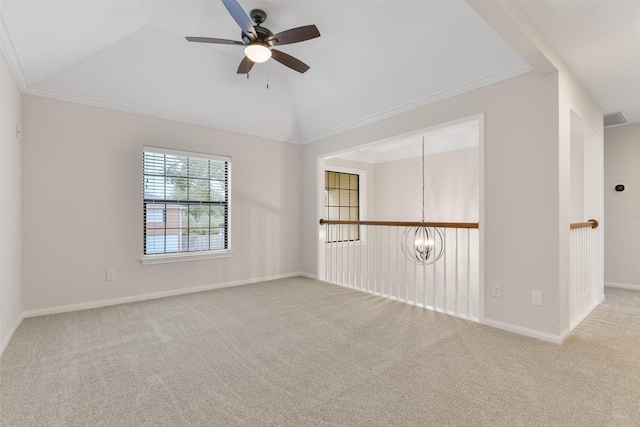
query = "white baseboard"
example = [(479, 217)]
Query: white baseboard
[(622, 286), (532, 333), (308, 275), (13, 330), (144, 297)]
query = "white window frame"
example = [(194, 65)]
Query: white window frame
[(322, 166), (329, 169), (199, 255), (362, 199)]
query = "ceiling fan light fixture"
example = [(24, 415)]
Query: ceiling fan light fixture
[(258, 41), (257, 52)]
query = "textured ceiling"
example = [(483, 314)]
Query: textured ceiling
[(374, 59)]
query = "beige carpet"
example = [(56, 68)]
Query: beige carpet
[(299, 352)]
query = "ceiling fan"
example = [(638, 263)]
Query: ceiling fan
[(259, 42)]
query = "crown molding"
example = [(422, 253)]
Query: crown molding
[(13, 61), (487, 80), (100, 103), (96, 102), (15, 65)]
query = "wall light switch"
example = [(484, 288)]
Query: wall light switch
[(536, 297)]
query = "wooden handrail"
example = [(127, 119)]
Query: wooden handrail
[(592, 223), (402, 224)]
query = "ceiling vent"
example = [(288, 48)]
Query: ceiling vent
[(614, 119)]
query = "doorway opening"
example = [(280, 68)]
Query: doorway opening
[(586, 272), (389, 184)]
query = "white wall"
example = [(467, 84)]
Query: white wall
[(521, 199), (451, 188), (572, 98), (513, 24), (83, 205), (394, 189), (10, 207), (622, 210)]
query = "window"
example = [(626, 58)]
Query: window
[(342, 202), (186, 202)]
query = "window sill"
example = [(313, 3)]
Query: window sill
[(350, 243), (181, 257)]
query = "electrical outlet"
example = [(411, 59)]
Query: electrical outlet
[(289, 256), (111, 274), (496, 290)]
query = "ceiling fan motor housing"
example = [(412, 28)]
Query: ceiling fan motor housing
[(263, 35)]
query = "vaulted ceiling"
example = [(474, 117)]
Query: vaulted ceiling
[(373, 60)]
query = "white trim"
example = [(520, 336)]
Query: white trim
[(309, 275), (322, 166), (622, 286), (481, 217), (496, 77), (362, 193), (575, 323), (531, 333), (154, 295), (320, 209), (17, 69), (406, 135), (183, 256), (362, 201), (183, 153), (13, 330), (148, 112), (163, 258), (341, 169)]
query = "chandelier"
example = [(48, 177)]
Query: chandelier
[(422, 245)]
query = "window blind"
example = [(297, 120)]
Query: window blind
[(186, 201)]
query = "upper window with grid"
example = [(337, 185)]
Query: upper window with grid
[(342, 202), (186, 202)]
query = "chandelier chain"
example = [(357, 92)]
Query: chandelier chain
[(422, 245), (423, 179)]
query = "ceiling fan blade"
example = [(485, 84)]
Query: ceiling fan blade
[(245, 66), (295, 35), (241, 18), (212, 40), (289, 61)]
